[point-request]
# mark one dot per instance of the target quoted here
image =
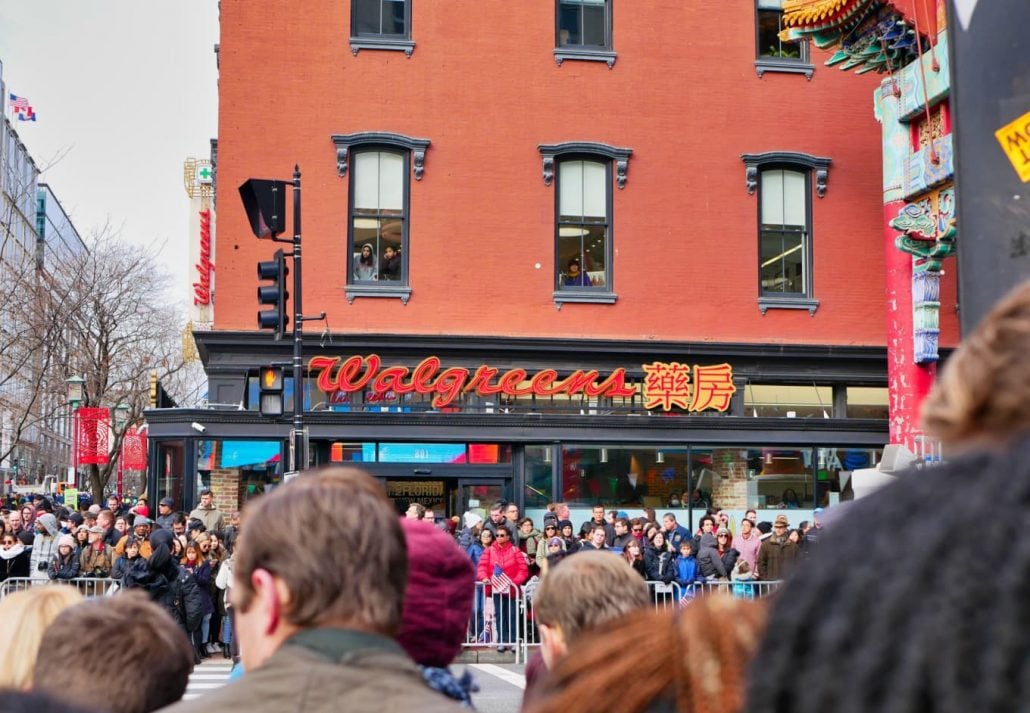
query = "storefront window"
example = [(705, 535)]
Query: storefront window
[(539, 476), (626, 476), (764, 400), (867, 402), (236, 471), (834, 467), (763, 478), (170, 468)]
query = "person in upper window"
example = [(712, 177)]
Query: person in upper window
[(390, 264), (365, 265), (574, 276)]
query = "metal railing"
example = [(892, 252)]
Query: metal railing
[(87, 586), (487, 630)]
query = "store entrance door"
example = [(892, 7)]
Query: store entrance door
[(447, 496), (479, 494)]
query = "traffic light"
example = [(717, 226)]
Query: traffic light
[(270, 379), (274, 294), (265, 203)]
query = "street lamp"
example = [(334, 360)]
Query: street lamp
[(121, 418), (75, 398)]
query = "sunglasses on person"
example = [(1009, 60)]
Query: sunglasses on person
[(723, 537), (638, 529), (501, 535), (8, 542)]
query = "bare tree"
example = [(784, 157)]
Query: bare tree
[(118, 326)]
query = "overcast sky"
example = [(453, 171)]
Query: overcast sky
[(124, 92)]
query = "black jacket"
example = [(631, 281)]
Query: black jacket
[(171, 587), (16, 566), (658, 565)]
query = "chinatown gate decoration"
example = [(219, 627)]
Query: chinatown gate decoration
[(665, 384)]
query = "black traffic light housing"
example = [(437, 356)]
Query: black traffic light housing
[(270, 399), (264, 201), (275, 294)]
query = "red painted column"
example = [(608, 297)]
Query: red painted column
[(908, 383)]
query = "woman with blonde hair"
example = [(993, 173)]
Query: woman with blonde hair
[(696, 660), (26, 615)]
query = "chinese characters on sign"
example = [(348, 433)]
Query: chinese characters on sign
[(665, 385), (669, 384)]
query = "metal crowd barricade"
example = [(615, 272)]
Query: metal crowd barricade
[(665, 596), (743, 589), (88, 587), (497, 622)]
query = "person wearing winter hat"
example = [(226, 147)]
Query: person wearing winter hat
[(44, 546), (555, 554), (778, 553), (64, 564), (437, 607)]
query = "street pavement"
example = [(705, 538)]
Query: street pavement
[(211, 674), (500, 685)]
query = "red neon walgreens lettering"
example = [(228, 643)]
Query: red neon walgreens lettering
[(449, 386), (509, 383), (422, 377), (324, 365), (613, 386), (541, 382), (577, 381), (392, 379), (349, 370), (480, 381)]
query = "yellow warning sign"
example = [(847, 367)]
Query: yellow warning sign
[(1015, 142)]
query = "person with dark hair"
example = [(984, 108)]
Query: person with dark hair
[(568, 535), (503, 561), (574, 276), (595, 541), (658, 560), (14, 557), (597, 519), (696, 659), (167, 584), (207, 513), (633, 553), (497, 520), (365, 263), (124, 563), (940, 629), (390, 265), (136, 635)]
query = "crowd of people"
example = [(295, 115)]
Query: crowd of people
[(181, 561), (338, 604)]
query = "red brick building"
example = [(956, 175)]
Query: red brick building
[(719, 194)]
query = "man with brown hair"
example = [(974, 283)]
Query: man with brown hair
[(146, 662), (580, 594), (315, 614)]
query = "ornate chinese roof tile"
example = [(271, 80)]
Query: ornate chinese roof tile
[(869, 35)]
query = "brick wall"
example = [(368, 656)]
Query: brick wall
[(483, 86)]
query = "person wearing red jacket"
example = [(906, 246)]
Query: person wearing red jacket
[(499, 560)]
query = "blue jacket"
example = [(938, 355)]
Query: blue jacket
[(688, 571), (475, 551), (677, 536)]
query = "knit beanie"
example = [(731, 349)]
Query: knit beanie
[(66, 541), (438, 598)]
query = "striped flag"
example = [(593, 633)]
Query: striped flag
[(22, 108), (500, 582)]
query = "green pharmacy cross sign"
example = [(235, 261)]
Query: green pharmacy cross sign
[(204, 174)]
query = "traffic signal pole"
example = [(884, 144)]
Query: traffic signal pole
[(265, 203), (299, 460)]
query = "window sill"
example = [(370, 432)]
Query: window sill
[(398, 292), (767, 303), (787, 66), (377, 43), (599, 298), (585, 55)]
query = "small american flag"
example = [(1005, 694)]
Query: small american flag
[(500, 582), (686, 599), (22, 108)]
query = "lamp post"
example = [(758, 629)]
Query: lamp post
[(121, 418), (75, 397)]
